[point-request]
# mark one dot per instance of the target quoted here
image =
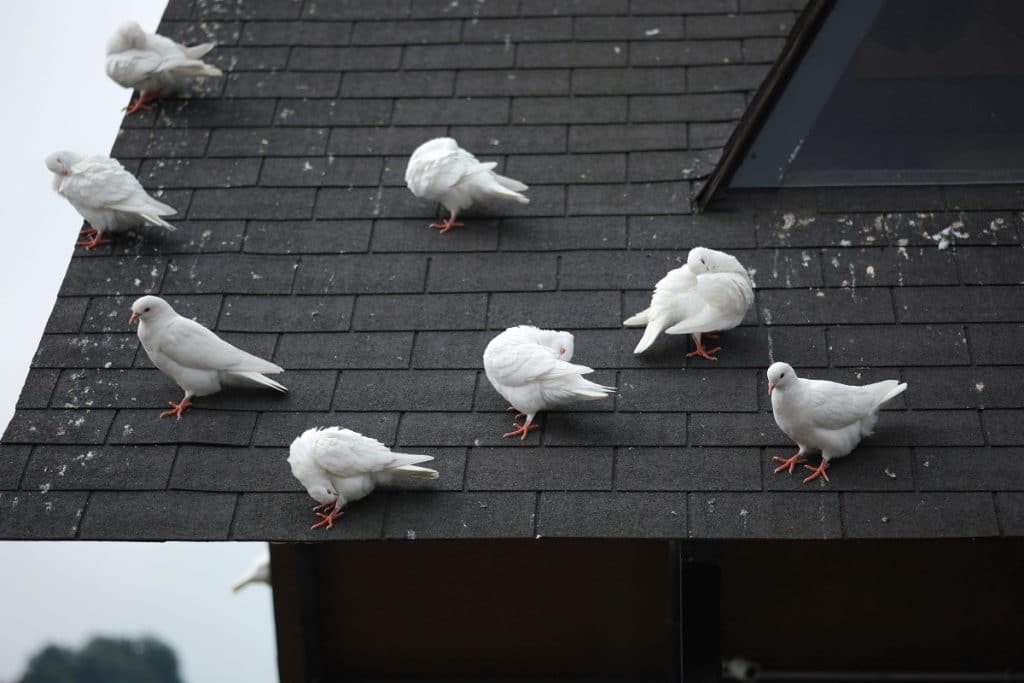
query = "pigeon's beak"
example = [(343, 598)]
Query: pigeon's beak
[(561, 351), (135, 316), (771, 387)]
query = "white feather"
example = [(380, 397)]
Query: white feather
[(441, 171), (259, 572), (109, 198), (149, 62)]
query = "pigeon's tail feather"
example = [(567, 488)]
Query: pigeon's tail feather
[(194, 68), (197, 51), (241, 583), (415, 471), (156, 220), (891, 388), (586, 390), (638, 320), (512, 184), (262, 380), (490, 184), (654, 328)]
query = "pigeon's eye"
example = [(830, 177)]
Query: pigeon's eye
[(561, 351), (782, 375), (147, 310)]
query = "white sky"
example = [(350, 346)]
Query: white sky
[(58, 97)]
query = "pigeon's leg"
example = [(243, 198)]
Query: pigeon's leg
[(178, 408), (327, 519), (522, 431), (88, 231), (447, 225), (789, 463), (143, 102), (513, 409), (323, 507), (94, 241), (818, 471), (702, 351), (713, 335)]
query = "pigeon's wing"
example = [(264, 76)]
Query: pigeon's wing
[(434, 174), (191, 345), (519, 363), (100, 183), (830, 405), (717, 301), (131, 67), (344, 453)]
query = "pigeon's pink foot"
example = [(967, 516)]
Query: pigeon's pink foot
[(92, 242), (818, 471), (327, 520), (513, 409), (88, 231), (789, 463), (521, 430), (142, 103), (704, 352), (177, 408), (447, 225)]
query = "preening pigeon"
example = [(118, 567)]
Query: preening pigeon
[(193, 356), (259, 572), (530, 368), (441, 171), (824, 416), (109, 198), (338, 466), (710, 293), (152, 64)]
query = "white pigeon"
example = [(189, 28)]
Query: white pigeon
[(193, 356), (338, 466), (259, 572), (530, 368), (153, 64), (710, 293), (824, 416), (441, 171), (109, 198)]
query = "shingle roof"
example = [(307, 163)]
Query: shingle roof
[(300, 243)]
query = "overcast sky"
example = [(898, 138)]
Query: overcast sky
[(58, 97)]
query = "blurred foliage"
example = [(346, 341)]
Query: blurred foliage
[(105, 660)]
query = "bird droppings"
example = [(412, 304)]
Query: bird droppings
[(889, 473), (410, 535), (652, 32), (944, 237), (885, 519), (44, 488), (979, 387), (870, 270), (845, 243), (788, 221)]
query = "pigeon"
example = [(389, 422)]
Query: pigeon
[(258, 573), (152, 64), (441, 171), (193, 356), (530, 368), (108, 196), (709, 293), (824, 416), (338, 466)]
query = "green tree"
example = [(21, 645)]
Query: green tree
[(105, 660)]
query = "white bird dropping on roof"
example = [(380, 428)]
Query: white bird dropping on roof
[(338, 466), (530, 368), (152, 64), (711, 292), (109, 198), (441, 171), (259, 572), (824, 416), (193, 356)]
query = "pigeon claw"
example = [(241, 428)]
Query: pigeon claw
[(704, 352), (93, 241), (818, 471), (513, 409), (447, 225), (177, 408), (141, 103), (789, 463), (326, 519), (521, 430)]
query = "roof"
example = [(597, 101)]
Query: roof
[(300, 243)]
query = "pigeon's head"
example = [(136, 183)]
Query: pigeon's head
[(325, 495), (699, 260), (149, 309), (127, 36), (704, 260), (61, 162), (780, 375)]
